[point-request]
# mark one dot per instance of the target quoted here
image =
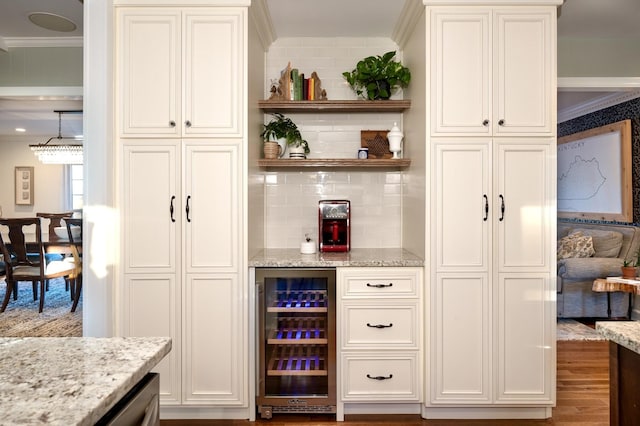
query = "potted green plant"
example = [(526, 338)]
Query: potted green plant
[(378, 76), (629, 269), (283, 130)]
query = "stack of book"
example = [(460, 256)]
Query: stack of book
[(294, 86)]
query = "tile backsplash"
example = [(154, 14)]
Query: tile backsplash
[(292, 206), (291, 197)]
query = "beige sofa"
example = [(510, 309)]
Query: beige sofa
[(575, 299)]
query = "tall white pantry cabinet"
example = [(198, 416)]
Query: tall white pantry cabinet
[(492, 151), (180, 109)]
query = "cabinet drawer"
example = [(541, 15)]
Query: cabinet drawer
[(371, 377), (381, 282), (377, 326)]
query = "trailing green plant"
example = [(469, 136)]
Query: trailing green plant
[(378, 76), (283, 127)]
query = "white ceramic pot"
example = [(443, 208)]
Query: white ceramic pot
[(297, 152)]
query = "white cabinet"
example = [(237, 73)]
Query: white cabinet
[(180, 85), (491, 200), (181, 71), (181, 252), (379, 332), (491, 303), (492, 70)]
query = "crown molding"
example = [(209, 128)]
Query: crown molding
[(584, 84), (43, 41), (263, 23), (411, 13), (596, 104), (492, 2)]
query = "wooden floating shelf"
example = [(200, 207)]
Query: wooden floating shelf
[(335, 106), (336, 162)]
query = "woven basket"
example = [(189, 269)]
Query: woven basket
[(272, 150)]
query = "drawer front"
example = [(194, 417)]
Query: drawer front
[(373, 377), (378, 326), (380, 282)]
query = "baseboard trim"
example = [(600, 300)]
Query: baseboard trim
[(198, 413), (486, 412)]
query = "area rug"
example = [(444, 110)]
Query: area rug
[(21, 318), (569, 329)]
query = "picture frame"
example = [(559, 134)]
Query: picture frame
[(24, 186), (594, 174)]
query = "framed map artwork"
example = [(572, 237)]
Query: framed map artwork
[(594, 174)]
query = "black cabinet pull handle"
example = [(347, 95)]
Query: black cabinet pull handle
[(501, 208), (485, 122), (187, 123), (188, 208), (173, 219), (486, 207), (380, 325), (172, 123), (369, 376), (501, 122), (380, 285)]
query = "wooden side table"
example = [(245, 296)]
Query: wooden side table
[(613, 284)]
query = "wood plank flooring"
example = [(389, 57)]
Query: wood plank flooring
[(582, 398)]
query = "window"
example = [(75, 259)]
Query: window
[(75, 186)]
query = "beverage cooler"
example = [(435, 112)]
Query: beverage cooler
[(296, 348)]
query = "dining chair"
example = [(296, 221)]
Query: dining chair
[(20, 262), (75, 241), (55, 221)]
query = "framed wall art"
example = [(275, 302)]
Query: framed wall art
[(24, 186), (594, 174)]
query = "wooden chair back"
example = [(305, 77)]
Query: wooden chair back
[(14, 249), (55, 220)]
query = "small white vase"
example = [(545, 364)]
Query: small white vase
[(395, 137)]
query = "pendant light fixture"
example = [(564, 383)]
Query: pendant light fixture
[(57, 152)]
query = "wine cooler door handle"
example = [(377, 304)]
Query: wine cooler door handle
[(187, 208), (379, 285), (380, 325), (173, 219), (501, 208), (369, 376)]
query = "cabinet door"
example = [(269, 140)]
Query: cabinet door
[(461, 71), (461, 339), (151, 308), (214, 359), (213, 69), (212, 207), (462, 197), (524, 67), (150, 231), (525, 346), (149, 74), (524, 185)]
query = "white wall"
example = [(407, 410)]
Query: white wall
[(292, 196), (48, 179)]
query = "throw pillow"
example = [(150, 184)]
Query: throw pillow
[(575, 245), (605, 243)]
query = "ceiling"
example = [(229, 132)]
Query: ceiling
[(370, 18)]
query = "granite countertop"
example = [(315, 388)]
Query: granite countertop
[(292, 258), (71, 380), (624, 333)]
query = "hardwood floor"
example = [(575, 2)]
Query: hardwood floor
[(582, 398)]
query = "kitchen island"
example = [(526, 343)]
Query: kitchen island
[(71, 380), (624, 370)]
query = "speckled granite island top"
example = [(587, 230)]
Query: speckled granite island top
[(71, 380), (292, 258), (624, 333)]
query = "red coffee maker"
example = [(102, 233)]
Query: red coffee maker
[(333, 225)]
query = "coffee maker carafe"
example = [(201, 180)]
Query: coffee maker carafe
[(334, 226)]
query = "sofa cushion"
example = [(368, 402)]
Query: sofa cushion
[(605, 243), (575, 245)]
